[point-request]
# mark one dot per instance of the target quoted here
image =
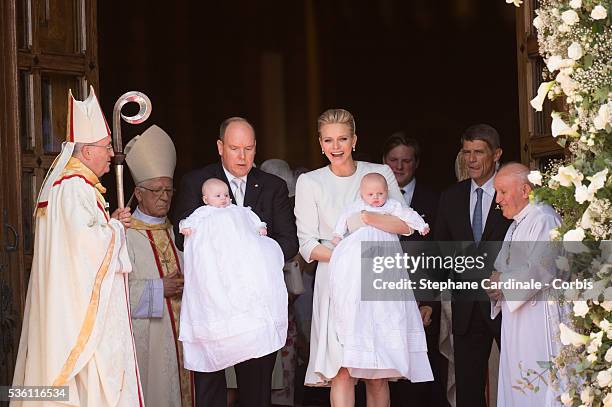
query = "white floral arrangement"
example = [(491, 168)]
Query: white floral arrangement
[(575, 40)]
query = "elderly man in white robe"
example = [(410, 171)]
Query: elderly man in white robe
[(156, 281), (76, 328), (528, 323)]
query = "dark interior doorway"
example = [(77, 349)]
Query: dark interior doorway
[(431, 68)]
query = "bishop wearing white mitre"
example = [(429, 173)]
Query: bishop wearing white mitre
[(529, 320), (156, 281), (76, 328)]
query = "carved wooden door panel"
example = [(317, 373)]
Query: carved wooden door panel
[(537, 144), (48, 47)]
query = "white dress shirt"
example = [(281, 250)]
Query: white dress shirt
[(487, 199), (230, 178), (409, 191)]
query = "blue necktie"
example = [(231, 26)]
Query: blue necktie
[(477, 218)]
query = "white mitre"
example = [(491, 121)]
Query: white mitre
[(151, 155), (85, 124)]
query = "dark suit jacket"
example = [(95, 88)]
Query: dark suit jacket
[(266, 194), (453, 224), (425, 202)]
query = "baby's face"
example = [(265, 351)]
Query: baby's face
[(216, 195), (374, 193)]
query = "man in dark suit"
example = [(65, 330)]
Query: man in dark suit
[(468, 213), (402, 154), (268, 197)]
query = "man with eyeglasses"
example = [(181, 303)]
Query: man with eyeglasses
[(156, 281), (76, 328)]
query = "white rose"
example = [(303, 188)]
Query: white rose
[(603, 117), (607, 305), (583, 193), (599, 12), (535, 177), (554, 63), (574, 235), (563, 28), (607, 401), (604, 324), (570, 17), (592, 358), (543, 90), (574, 51), (567, 176), (608, 356), (538, 23), (604, 378), (581, 308), (595, 342), (572, 241), (554, 234), (569, 337), (575, 3), (586, 396)]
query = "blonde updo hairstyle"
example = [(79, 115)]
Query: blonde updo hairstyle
[(336, 116)]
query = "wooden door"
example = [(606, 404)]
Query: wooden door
[(48, 47), (537, 144)]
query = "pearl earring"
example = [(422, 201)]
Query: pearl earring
[(353, 148), (322, 152)]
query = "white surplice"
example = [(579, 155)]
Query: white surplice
[(234, 305), (529, 320), (76, 327)]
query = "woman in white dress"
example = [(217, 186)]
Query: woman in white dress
[(321, 195)]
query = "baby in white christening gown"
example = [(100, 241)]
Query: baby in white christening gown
[(234, 305), (381, 338)]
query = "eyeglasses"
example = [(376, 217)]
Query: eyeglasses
[(108, 147), (160, 191)]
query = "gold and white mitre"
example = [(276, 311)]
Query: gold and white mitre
[(86, 124), (151, 155)]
